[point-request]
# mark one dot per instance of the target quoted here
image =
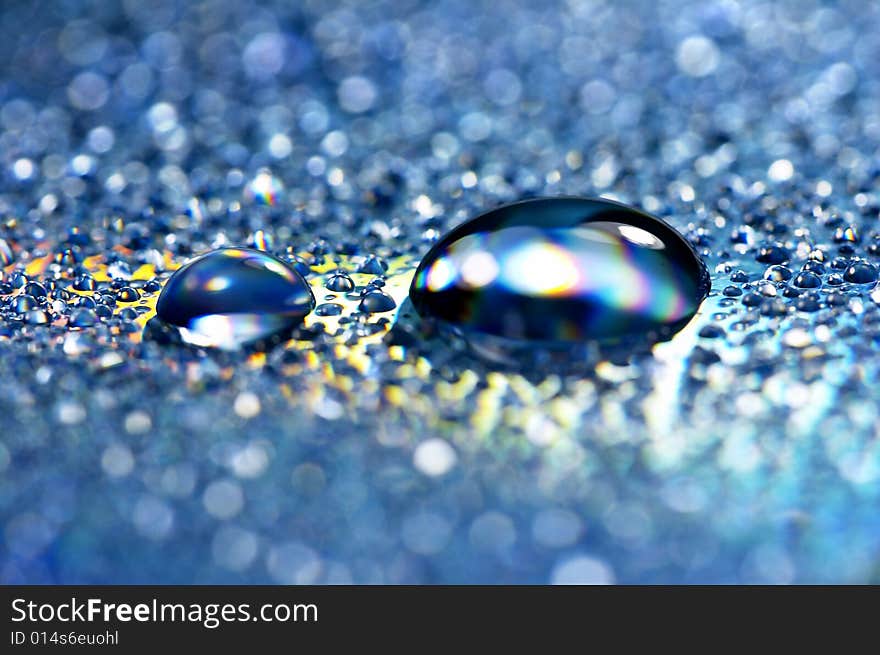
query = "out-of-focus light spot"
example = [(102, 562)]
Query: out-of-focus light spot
[(697, 56), (502, 87), (597, 97), (153, 518), (101, 139), (293, 563), (263, 56), (425, 533), (88, 91), (138, 422), (356, 94), (23, 169), (434, 457), (233, 548), (247, 405), (117, 461), (581, 570), (780, 170), (223, 499), (280, 146), (335, 143)]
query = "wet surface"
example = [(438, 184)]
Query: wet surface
[(345, 140)]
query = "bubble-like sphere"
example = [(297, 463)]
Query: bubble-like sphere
[(232, 297), (562, 270)]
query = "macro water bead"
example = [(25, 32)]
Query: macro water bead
[(562, 270), (231, 297)]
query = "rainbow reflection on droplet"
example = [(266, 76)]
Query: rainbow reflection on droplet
[(232, 297), (562, 270), (264, 189)]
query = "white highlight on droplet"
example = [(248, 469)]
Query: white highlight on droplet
[(479, 269)]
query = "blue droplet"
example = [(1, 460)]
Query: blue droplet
[(233, 297), (562, 270), (373, 265), (340, 282), (773, 254), (861, 273), (375, 301), (807, 280), (328, 309)]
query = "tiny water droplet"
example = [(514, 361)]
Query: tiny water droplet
[(127, 294), (375, 301), (83, 317), (340, 282), (777, 273), (232, 297), (329, 309), (85, 283)]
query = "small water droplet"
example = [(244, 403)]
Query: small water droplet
[(808, 303), (85, 283), (37, 317), (152, 286), (562, 270), (777, 273), (329, 309), (373, 265), (83, 317), (375, 301), (340, 282), (773, 255), (861, 273), (712, 332), (751, 299), (127, 294), (35, 289), (807, 280), (232, 297)]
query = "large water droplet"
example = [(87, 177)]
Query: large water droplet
[(231, 297), (562, 270)]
